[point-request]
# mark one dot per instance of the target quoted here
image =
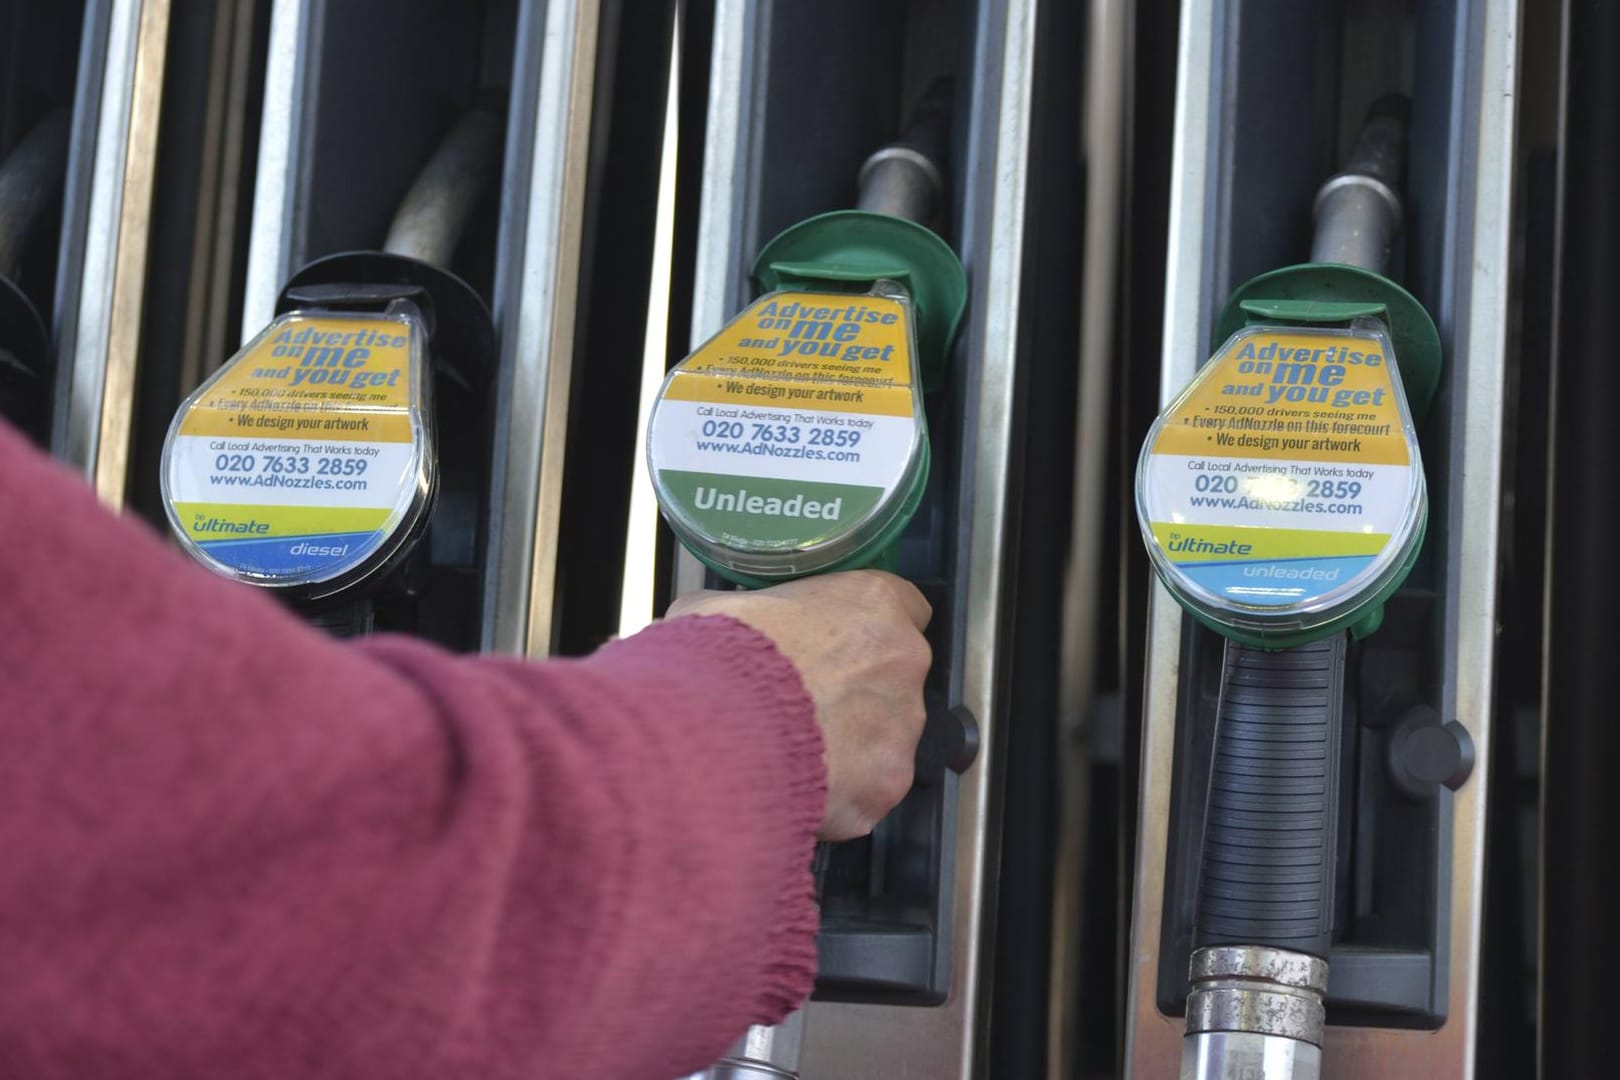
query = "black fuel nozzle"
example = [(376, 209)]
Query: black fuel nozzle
[(30, 185), (372, 385)]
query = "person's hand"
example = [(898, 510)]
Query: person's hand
[(856, 638)]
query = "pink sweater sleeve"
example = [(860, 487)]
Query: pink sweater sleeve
[(230, 847)]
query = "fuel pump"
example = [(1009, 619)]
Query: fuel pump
[(795, 441), (1282, 500), (350, 429), (30, 184)]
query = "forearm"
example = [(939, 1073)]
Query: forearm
[(237, 848)]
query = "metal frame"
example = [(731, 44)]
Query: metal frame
[(1109, 59), (281, 136), (536, 287), (100, 318), (730, 192), (1482, 164)]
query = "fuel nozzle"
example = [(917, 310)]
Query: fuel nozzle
[(310, 463), (794, 441), (30, 184), (1282, 500), (1281, 495)]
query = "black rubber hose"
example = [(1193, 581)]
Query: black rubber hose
[(30, 183), (1267, 872)]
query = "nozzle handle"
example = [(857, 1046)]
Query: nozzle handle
[(1271, 826)]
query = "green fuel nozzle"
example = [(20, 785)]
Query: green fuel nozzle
[(794, 441), (1282, 500), (1281, 495)]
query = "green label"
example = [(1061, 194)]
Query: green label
[(755, 512)]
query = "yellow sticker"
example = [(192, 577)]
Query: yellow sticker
[(797, 427), (1292, 395), (807, 351), (1286, 477), (315, 377)]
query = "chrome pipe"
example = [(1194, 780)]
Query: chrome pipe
[(1358, 210), (905, 178), (763, 1053), (435, 211), (1254, 1014)]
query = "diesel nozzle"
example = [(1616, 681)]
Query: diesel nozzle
[(313, 463)]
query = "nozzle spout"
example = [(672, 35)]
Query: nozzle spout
[(435, 212), (906, 178), (1358, 210)]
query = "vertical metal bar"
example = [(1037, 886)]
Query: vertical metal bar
[(1580, 802), (536, 292), (1153, 1040), (101, 367), (220, 193), (730, 178), (280, 137), (637, 589), (1107, 69)]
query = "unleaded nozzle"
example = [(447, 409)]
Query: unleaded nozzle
[(906, 178), (1358, 210)]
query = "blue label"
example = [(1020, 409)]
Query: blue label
[(1274, 582), (294, 554)]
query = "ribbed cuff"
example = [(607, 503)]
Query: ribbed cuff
[(790, 800)]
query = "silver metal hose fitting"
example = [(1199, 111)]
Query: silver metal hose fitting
[(1254, 1014)]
